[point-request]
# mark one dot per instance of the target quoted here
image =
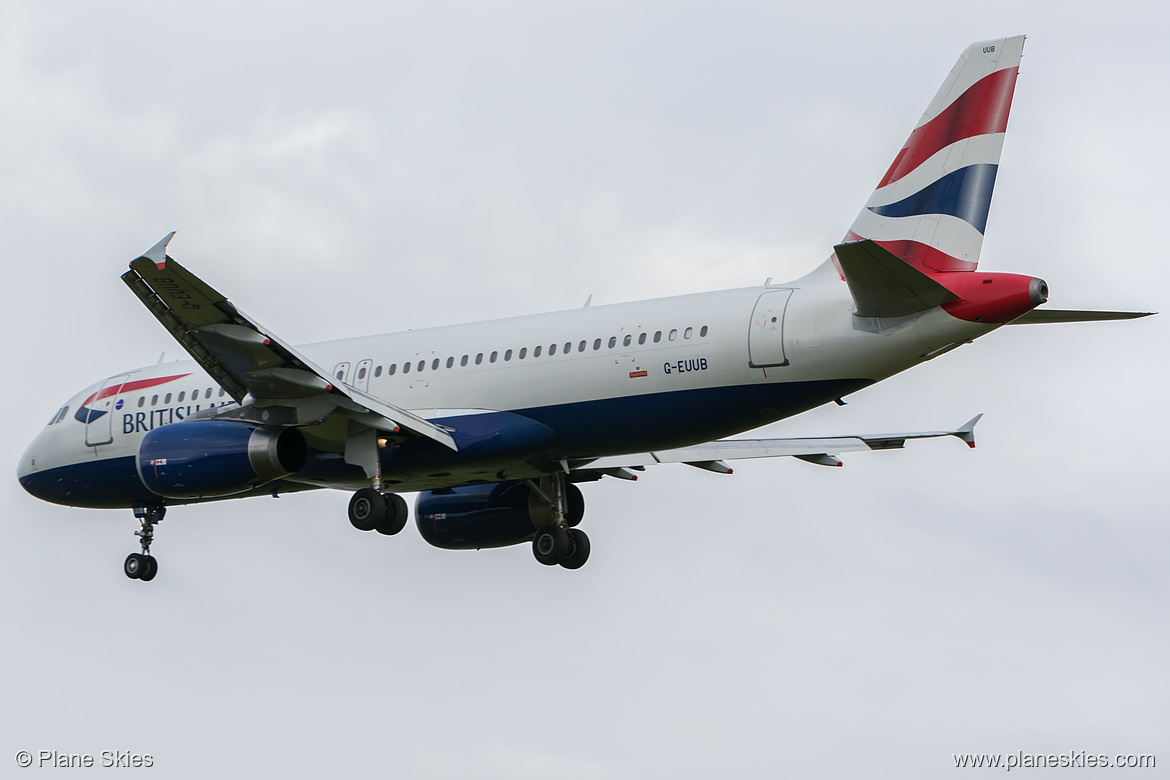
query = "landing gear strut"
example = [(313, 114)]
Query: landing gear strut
[(557, 542), (143, 566)]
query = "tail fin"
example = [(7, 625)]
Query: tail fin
[(930, 209)]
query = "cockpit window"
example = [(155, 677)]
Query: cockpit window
[(60, 415)]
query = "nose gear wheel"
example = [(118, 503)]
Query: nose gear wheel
[(143, 566)]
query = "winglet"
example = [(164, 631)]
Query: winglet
[(966, 431), (157, 254)]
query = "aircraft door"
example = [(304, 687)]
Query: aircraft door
[(766, 333), (341, 373), (99, 412), (361, 378)]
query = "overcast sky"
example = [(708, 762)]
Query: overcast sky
[(369, 167)]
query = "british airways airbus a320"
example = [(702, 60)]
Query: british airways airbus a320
[(495, 424)]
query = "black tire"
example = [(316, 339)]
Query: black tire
[(396, 515), (134, 565), (367, 508), (149, 568), (550, 545), (578, 550)]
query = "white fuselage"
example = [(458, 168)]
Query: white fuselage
[(608, 379)]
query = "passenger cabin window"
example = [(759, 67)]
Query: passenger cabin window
[(479, 358), (154, 401), (377, 371), (182, 395), (362, 373), (703, 332), (688, 332), (450, 361), (141, 401), (507, 355), (641, 338), (523, 352), (406, 368), (435, 364), (536, 352), (673, 334), (167, 399), (463, 360), (596, 344), (581, 347), (612, 342), (657, 336), (552, 349), (194, 395), (421, 365), (222, 393), (626, 341), (393, 368), (492, 359), (568, 347)]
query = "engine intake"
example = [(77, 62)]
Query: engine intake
[(209, 458), (492, 515)]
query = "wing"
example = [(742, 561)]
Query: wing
[(268, 378), (822, 451)]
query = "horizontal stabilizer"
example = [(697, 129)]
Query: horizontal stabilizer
[(884, 285), (1043, 316)]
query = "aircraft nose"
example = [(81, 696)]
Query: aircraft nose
[(32, 467), (28, 461)]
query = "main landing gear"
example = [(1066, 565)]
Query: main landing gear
[(371, 510), (143, 566), (556, 542), (567, 546)]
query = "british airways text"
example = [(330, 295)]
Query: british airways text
[(139, 422)]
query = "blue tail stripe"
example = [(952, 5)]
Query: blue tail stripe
[(965, 193)]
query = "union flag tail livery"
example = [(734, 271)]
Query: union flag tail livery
[(496, 424), (930, 209)]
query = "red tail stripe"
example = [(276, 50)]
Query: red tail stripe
[(926, 257), (980, 110), (918, 254)]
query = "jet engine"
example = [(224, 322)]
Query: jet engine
[(209, 458), (491, 515)]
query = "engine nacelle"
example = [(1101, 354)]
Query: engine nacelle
[(208, 458), (492, 515)]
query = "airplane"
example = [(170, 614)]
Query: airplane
[(496, 424)]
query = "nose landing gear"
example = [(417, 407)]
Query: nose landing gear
[(143, 566)]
